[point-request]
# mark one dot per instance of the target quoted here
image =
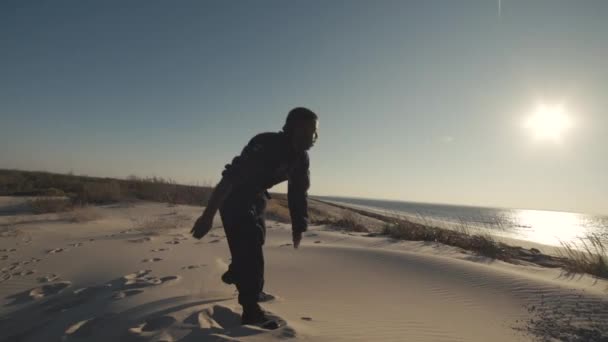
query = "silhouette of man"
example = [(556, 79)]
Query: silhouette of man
[(268, 159)]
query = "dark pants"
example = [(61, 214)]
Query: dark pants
[(243, 219)]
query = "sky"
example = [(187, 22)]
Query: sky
[(422, 101)]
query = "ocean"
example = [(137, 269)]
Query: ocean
[(540, 226)]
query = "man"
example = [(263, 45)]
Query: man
[(268, 159)]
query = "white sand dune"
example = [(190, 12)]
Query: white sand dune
[(134, 274)]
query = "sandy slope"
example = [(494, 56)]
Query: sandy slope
[(134, 274)]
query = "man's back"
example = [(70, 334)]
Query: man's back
[(265, 161)]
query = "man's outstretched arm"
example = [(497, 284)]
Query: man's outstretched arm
[(204, 223), (297, 197)]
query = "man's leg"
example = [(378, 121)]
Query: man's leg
[(259, 215), (260, 205), (230, 229), (245, 241), (250, 267), (260, 220)]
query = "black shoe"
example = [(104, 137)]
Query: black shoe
[(265, 297), (256, 316), (228, 277)]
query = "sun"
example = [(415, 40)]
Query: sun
[(549, 122)]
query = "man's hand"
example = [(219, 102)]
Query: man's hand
[(297, 237), (202, 226)]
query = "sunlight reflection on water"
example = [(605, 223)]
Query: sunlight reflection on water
[(550, 227)]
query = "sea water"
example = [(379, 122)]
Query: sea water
[(540, 226)]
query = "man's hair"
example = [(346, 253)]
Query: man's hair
[(296, 115)]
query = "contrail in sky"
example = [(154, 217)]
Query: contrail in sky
[(499, 8)]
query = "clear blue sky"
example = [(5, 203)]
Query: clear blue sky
[(418, 100)]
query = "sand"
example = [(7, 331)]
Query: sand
[(131, 272)]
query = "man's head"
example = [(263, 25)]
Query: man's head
[(301, 128)]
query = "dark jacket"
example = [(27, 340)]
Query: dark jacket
[(269, 159)]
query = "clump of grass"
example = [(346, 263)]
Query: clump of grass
[(277, 210), (99, 193), (161, 225), (351, 222), (486, 245), (45, 205), (166, 190), (406, 230), (483, 244), (592, 258)]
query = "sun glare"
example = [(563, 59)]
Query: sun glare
[(548, 122)]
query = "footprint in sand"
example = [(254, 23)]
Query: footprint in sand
[(31, 261), (13, 266), (75, 298), (81, 329), (152, 260), (154, 324), (124, 294), (77, 244), (311, 235), (24, 273), (173, 242), (159, 250), (219, 320), (4, 276), (306, 318), (191, 267), (4, 257), (215, 317), (152, 329), (169, 279), (56, 250), (143, 278), (38, 293), (92, 290), (48, 278), (318, 241), (139, 279), (8, 250), (215, 241), (140, 240), (48, 290), (84, 329)]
